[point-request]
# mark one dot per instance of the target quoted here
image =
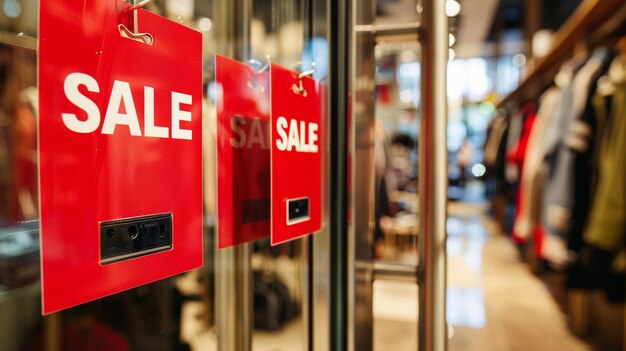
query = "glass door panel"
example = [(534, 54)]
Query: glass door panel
[(182, 312)]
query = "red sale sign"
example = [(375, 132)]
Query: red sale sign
[(243, 152), (296, 154), (120, 135)]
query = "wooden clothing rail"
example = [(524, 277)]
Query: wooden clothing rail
[(591, 23)]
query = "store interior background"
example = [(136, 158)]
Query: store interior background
[(500, 295)]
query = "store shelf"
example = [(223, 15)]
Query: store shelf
[(591, 22)]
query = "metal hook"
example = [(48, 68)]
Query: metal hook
[(139, 5), (258, 63), (299, 88), (309, 72), (134, 34), (145, 38), (255, 62), (305, 73), (295, 64), (263, 68)]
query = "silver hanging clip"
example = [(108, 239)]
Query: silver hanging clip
[(145, 38), (139, 5), (253, 84), (299, 88)]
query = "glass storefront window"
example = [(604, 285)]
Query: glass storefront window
[(178, 313)]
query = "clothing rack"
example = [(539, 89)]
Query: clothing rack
[(591, 23)]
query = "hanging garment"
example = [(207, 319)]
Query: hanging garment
[(607, 219), (495, 134), (517, 155), (528, 220), (576, 139), (567, 193), (583, 271), (582, 142), (511, 170), (605, 229), (542, 147), (554, 130), (495, 150)]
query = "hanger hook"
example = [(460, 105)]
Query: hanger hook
[(254, 62), (135, 34), (259, 64), (139, 5), (263, 68), (299, 88), (294, 65), (309, 72)]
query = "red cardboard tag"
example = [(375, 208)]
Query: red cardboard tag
[(296, 154), (120, 133), (243, 154)]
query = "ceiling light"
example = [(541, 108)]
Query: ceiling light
[(451, 39), (205, 24), (479, 170), (453, 8), (12, 8), (519, 60), (406, 96)]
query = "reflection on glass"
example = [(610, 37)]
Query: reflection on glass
[(395, 150), (278, 32), (465, 307), (465, 300)]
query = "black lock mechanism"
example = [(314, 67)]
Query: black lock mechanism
[(132, 237), (298, 210)]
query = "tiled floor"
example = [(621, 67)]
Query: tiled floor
[(494, 302)]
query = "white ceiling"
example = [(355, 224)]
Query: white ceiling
[(474, 24)]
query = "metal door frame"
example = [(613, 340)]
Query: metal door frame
[(431, 270)]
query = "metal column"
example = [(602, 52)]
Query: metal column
[(338, 195), (233, 299), (433, 178), (361, 136), (233, 277)]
